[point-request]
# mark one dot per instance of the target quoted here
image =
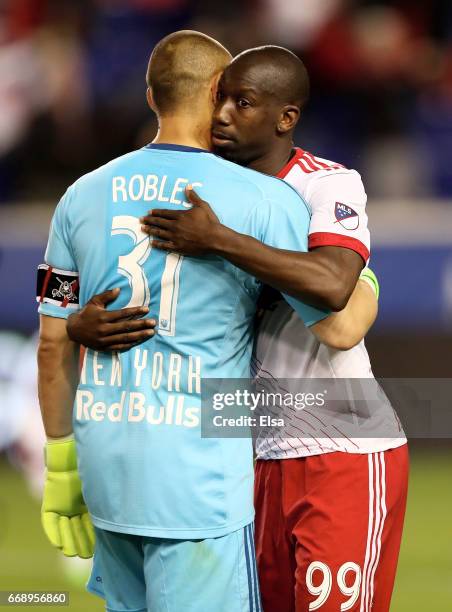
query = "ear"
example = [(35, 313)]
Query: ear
[(150, 100), (288, 119), (214, 87)]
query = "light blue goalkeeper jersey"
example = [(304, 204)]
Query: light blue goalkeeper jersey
[(144, 466)]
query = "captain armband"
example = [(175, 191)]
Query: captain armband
[(57, 287)]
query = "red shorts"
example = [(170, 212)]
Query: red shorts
[(328, 530)]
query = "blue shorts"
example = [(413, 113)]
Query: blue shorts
[(142, 574)]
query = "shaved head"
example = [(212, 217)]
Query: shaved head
[(181, 69), (279, 72), (260, 97)]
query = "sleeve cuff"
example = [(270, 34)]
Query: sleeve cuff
[(51, 310), (319, 239)]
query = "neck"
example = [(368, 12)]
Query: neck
[(183, 131), (275, 160)]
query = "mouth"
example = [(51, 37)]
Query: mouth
[(220, 138)]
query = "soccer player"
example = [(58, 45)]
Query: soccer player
[(172, 512), (330, 513), (329, 509)]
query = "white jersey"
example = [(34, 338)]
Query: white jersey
[(286, 349)]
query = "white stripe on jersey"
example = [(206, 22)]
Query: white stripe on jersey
[(304, 165), (309, 163)]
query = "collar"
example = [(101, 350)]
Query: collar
[(175, 147), (297, 153)]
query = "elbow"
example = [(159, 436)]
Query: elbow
[(329, 298), (335, 291), (337, 296), (336, 303), (46, 350), (345, 344), (338, 338), (341, 342), (53, 350)]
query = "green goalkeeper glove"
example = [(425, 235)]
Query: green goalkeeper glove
[(64, 514), (371, 279)]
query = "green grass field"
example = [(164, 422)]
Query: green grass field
[(424, 582)]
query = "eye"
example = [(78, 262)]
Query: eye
[(243, 103)]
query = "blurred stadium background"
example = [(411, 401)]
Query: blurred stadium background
[(72, 97)]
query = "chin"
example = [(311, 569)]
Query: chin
[(229, 153)]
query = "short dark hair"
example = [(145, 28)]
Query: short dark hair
[(181, 65)]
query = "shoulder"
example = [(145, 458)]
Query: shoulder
[(309, 174), (309, 164), (268, 187), (105, 172)]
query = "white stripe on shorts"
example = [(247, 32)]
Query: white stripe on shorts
[(377, 517)]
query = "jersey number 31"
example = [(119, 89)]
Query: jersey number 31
[(131, 266)]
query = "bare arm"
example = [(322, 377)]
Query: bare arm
[(57, 376), (343, 330), (324, 278)]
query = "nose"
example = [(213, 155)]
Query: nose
[(222, 115)]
